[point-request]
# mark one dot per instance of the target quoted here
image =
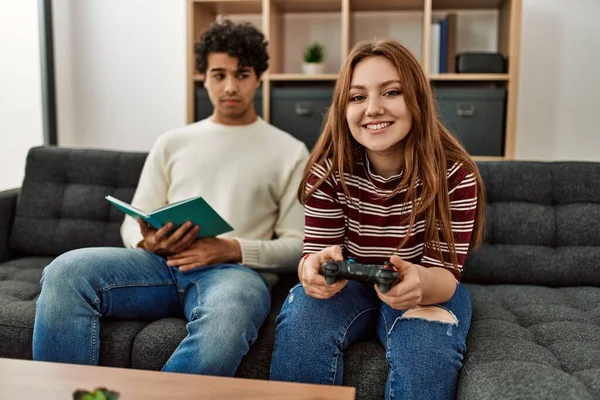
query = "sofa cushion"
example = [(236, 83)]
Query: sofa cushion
[(542, 225), (19, 290), (533, 342), (61, 205)]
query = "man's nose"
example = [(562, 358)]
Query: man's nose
[(231, 86)]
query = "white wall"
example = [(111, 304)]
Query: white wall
[(121, 81), (121, 68), (559, 91), (21, 125)]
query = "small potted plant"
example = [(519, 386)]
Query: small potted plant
[(100, 393), (313, 59)]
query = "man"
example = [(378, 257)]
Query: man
[(249, 171)]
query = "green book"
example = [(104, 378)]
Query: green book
[(195, 210)]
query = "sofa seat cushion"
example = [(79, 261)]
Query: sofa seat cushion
[(19, 288), (533, 342)]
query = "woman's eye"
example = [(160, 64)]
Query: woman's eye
[(393, 93), (357, 97)]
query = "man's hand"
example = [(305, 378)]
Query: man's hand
[(205, 252), (157, 241), (408, 293), (314, 284)]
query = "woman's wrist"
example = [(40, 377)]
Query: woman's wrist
[(301, 265), (437, 285)]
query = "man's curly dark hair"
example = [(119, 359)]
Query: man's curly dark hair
[(239, 40)]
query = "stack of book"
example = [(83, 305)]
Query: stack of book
[(443, 46)]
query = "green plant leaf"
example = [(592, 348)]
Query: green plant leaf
[(314, 53)]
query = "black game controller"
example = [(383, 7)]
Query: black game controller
[(383, 275)]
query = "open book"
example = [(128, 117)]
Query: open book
[(195, 210)]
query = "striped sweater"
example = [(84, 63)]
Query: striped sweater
[(370, 228)]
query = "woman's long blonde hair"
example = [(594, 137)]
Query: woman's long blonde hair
[(430, 148)]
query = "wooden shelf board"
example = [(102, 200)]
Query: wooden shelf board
[(232, 6), (307, 6), (302, 77), (386, 5), (467, 4), (488, 158), (469, 77)]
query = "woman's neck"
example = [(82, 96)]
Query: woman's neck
[(386, 163)]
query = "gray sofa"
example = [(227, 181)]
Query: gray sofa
[(535, 282)]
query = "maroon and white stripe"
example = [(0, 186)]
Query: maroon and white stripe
[(370, 228)]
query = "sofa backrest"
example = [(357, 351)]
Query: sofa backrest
[(61, 205), (542, 224)]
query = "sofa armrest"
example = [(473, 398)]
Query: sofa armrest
[(8, 206)]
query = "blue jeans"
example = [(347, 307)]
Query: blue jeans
[(225, 305), (424, 356)]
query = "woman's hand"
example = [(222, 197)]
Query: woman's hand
[(407, 293), (308, 272)]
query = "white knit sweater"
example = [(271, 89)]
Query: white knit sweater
[(249, 174)]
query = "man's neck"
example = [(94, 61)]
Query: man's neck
[(246, 119)]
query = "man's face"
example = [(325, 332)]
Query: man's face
[(231, 90)]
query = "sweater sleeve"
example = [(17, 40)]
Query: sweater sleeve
[(283, 252), (150, 194), (463, 208), (325, 223)]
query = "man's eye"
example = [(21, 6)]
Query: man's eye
[(243, 76), (218, 76)]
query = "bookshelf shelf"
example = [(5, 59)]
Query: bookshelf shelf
[(468, 4), (469, 77), (290, 25), (230, 6), (386, 5), (302, 77), (307, 6)]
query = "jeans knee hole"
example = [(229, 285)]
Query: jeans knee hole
[(431, 313)]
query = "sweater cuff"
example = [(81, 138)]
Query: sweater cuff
[(250, 251)]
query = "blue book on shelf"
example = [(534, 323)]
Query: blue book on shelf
[(443, 46), (195, 210)]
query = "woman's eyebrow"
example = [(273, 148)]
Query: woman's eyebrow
[(386, 83)]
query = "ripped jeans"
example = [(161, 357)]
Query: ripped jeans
[(424, 356)]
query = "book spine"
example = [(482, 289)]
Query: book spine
[(443, 46), (434, 54), (153, 222)]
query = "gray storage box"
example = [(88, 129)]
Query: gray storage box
[(300, 111), (476, 116), (204, 108)]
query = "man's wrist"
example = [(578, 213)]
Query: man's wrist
[(236, 250)]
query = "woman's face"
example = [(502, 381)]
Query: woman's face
[(377, 113)]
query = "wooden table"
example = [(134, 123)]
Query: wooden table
[(32, 380)]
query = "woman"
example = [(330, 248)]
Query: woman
[(385, 182)]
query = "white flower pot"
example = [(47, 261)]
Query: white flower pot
[(312, 68)]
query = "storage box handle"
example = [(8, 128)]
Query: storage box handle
[(303, 108), (465, 110)]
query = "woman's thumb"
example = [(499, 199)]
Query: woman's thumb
[(334, 253), (399, 263)]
